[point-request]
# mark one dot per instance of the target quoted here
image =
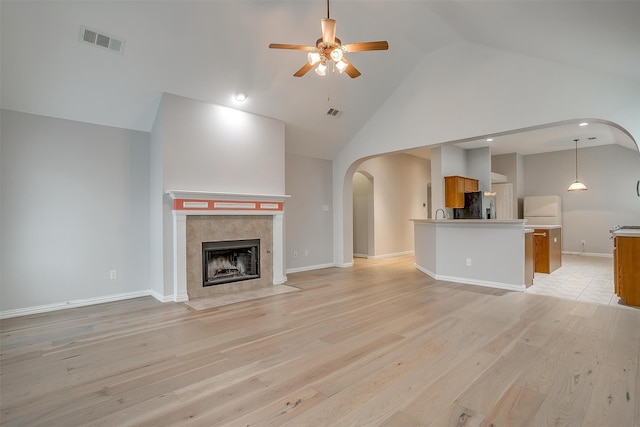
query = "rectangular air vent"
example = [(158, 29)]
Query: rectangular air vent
[(333, 112), (100, 39)]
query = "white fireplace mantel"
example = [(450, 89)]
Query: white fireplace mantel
[(208, 203)]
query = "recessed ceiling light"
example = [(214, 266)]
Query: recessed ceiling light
[(240, 96), (489, 139), (583, 124)]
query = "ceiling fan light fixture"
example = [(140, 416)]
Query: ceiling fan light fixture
[(330, 48), (336, 54), (321, 69), (313, 58)]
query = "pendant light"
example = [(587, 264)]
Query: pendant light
[(577, 185)]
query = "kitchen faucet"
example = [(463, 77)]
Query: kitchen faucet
[(444, 214)]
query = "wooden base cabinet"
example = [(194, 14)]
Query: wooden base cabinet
[(547, 244), (626, 269)]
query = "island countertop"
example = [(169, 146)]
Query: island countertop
[(627, 233), (467, 221), (544, 227)]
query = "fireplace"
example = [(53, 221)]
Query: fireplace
[(200, 217), (230, 261)]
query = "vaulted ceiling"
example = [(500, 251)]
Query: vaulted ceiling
[(209, 50)]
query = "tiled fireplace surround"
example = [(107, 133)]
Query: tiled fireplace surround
[(207, 217)]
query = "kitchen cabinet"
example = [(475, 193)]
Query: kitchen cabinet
[(454, 189), (626, 268), (547, 251)]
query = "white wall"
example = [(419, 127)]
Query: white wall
[(467, 91), (75, 204), (306, 222), (479, 167), (206, 147), (399, 192), (209, 147), (610, 172)]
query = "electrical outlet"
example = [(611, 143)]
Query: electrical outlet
[(468, 262), (113, 274), (582, 242), (295, 254), (306, 252)]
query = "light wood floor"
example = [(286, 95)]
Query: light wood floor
[(377, 344)]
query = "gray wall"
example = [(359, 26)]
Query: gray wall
[(399, 191), (363, 215), (307, 225), (610, 172), (75, 205)]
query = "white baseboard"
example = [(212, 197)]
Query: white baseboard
[(467, 281), (344, 265), (77, 303), (309, 268), (161, 298), (391, 255), (360, 255), (594, 254)]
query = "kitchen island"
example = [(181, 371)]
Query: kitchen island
[(547, 240), (484, 252)]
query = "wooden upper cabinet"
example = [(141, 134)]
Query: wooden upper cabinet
[(454, 189), (470, 185)]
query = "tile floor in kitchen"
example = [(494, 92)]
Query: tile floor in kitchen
[(582, 278)]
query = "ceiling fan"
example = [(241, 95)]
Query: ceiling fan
[(330, 50)]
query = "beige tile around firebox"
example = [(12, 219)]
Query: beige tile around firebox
[(212, 228)]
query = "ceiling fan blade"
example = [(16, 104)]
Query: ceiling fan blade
[(302, 71), (351, 70), (360, 47), (290, 46), (328, 30)]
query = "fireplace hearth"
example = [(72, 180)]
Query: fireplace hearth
[(230, 261)]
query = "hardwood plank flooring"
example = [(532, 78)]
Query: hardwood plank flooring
[(376, 344)]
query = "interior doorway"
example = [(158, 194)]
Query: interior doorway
[(363, 220)]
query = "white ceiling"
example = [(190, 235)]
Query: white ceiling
[(208, 50)]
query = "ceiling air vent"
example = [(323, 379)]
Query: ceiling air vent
[(101, 39), (333, 112)]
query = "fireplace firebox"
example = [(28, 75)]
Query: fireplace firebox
[(230, 261)]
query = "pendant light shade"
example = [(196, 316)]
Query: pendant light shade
[(577, 185)]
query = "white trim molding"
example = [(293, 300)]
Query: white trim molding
[(75, 303)]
